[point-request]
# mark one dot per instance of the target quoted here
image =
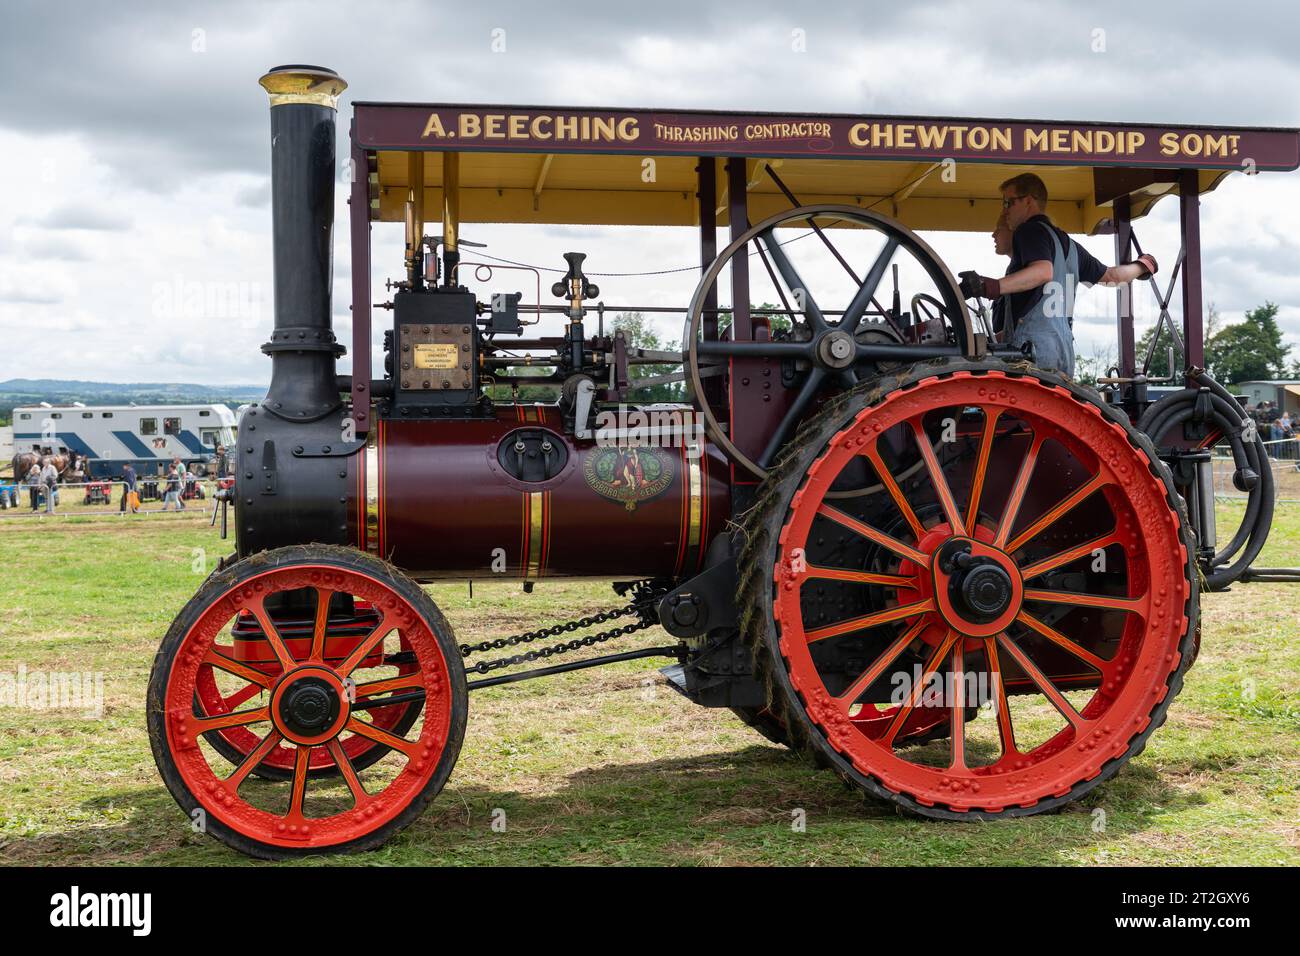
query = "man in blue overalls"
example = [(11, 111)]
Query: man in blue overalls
[(1037, 293)]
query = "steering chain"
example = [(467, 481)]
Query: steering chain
[(646, 595)]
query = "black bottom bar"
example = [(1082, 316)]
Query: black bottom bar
[(1276, 575), (574, 666)]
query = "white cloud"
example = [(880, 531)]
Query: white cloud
[(143, 170)]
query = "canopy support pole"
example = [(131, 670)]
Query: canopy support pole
[(1189, 205), (450, 217), (738, 221), (1123, 220), (707, 198)]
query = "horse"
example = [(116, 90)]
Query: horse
[(23, 461)]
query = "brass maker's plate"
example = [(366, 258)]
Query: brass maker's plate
[(442, 355)]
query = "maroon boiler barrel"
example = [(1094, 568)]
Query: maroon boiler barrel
[(435, 498)]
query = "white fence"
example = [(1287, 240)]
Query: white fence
[(97, 497)]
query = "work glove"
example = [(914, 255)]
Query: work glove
[(974, 285), (1147, 263)]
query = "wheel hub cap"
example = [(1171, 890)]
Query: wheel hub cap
[(309, 705), (977, 586), (836, 349), (983, 592)]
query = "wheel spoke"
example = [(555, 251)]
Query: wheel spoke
[(359, 653), (914, 697), (872, 454), (323, 596), (858, 577), (255, 757), (344, 763), (408, 747), (243, 696), (402, 682), (776, 283), (729, 348), (238, 668), (866, 621), (273, 638), (1018, 492), (871, 534), (1054, 514), (798, 288), (957, 710), (302, 761), (1041, 681), (1085, 600), (1061, 558), (940, 483), (1059, 639), (857, 306), (981, 466), (203, 725), (1006, 731), (872, 674), (807, 392), (390, 700)]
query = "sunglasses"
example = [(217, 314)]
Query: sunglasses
[(1008, 203)]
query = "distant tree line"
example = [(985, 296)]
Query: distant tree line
[(1247, 351)]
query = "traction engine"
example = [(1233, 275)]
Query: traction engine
[(967, 585)]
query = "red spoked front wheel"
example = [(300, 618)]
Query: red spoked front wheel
[(319, 709), (967, 535)]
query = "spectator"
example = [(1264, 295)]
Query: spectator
[(219, 463), (33, 481), (129, 489), (50, 479), (189, 484), (1285, 433), (172, 494)]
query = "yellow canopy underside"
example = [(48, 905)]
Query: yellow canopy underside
[(586, 189)]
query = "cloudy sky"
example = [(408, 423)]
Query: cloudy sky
[(134, 145)]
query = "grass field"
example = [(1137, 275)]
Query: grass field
[(610, 766)]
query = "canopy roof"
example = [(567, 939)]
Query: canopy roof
[(639, 167)]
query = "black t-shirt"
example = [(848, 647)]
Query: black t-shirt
[(1031, 243)]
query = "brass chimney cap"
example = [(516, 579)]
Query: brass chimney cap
[(301, 83)]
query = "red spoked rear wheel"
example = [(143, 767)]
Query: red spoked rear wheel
[(309, 703), (969, 535)]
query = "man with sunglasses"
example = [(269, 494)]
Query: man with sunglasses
[(1037, 293)]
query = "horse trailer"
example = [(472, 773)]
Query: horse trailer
[(110, 436)]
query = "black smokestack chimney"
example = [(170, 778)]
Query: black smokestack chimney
[(304, 100)]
